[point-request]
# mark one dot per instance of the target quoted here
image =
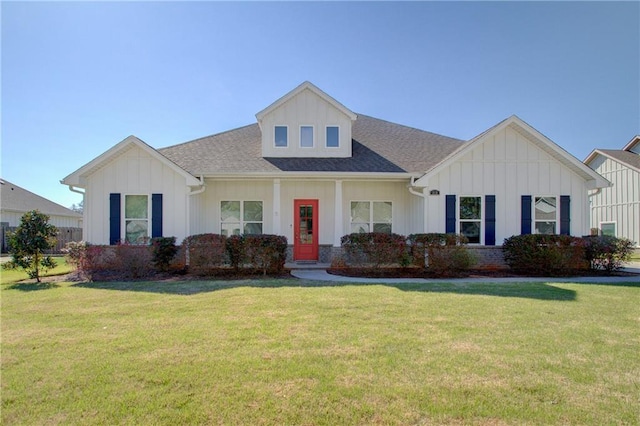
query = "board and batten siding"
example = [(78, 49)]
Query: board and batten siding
[(508, 166), (619, 203), (135, 172), (306, 109)]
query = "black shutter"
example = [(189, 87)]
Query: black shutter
[(525, 215), (156, 215), (114, 219), (450, 227), (565, 215), (490, 220)]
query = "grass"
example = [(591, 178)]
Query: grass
[(11, 276), (299, 352)]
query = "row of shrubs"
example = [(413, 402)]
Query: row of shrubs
[(206, 254), (447, 254)]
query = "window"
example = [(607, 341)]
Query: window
[(281, 137), (333, 136), (545, 218), (371, 216), (608, 228), (306, 136), (470, 216), (240, 217), (136, 219)]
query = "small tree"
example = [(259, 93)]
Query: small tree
[(29, 241)]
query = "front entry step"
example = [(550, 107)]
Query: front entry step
[(306, 264)]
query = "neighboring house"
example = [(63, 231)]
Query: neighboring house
[(616, 210), (312, 170), (16, 201)]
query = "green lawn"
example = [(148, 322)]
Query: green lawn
[(304, 353), (10, 276)]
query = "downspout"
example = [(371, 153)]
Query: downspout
[(413, 191), (203, 187), (590, 212), (424, 203), (84, 209)]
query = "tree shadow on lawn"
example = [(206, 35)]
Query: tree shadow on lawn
[(529, 290), (32, 286)]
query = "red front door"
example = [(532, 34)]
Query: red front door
[(305, 228)]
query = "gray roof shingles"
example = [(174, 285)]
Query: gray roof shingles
[(625, 157), (18, 199), (378, 147)]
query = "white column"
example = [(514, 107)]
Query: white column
[(277, 225), (338, 228)]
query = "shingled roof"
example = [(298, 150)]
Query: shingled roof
[(378, 147), (17, 199), (625, 157)]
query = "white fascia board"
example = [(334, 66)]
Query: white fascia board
[(314, 176), (635, 140), (597, 152), (304, 86)]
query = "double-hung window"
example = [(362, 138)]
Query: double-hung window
[(545, 215), (470, 218), (608, 228), (371, 216), (281, 137), (136, 219), (241, 217)]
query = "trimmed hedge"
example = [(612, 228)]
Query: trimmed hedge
[(164, 251), (374, 248), (205, 253), (441, 254), (541, 254), (604, 252), (265, 252)]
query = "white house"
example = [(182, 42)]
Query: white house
[(615, 210), (313, 170)]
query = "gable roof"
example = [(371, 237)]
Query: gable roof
[(302, 87), (537, 138), (16, 199), (77, 178), (627, 158), (632, 143), (378, 147)]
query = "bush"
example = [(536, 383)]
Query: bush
[(75, 253), (205, 253), (29, 242), (164, 250), (132, 261), (374, 248), (540, 254), (235, 251), (604, 252), (265, 252), (441, 254)]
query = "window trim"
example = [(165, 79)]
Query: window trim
[(534, 221), (609, 222), (275, 143), (242, 221), (326, 139), (313, 136), (371, 223), (481, 220), (124, 218)]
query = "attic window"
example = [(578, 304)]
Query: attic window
[(333, 137), (280, 136), (306, 136)]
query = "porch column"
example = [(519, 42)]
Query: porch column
[(277, 229), (338, 228)]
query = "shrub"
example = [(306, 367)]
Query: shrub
[(265, 252), (164, 250), (132, 261), (28, 243), (441, 254), (541, 254), (374, 248), (606, 252), (205, 253), (75, 253), (235, 251)]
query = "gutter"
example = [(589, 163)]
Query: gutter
[(413, 191), (203, 187)]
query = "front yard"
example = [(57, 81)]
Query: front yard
[(297, 352)]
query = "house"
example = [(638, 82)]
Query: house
[(615, 210), (16, 201), (313, 170)]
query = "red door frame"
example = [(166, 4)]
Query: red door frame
[(305, 241)]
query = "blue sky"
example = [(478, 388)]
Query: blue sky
[(79, 77)]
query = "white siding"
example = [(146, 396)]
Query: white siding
[(508, 166), (135, 173), (306, 109), (13, 218), (619, 203)]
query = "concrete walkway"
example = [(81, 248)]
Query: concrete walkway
[(323, 275)]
